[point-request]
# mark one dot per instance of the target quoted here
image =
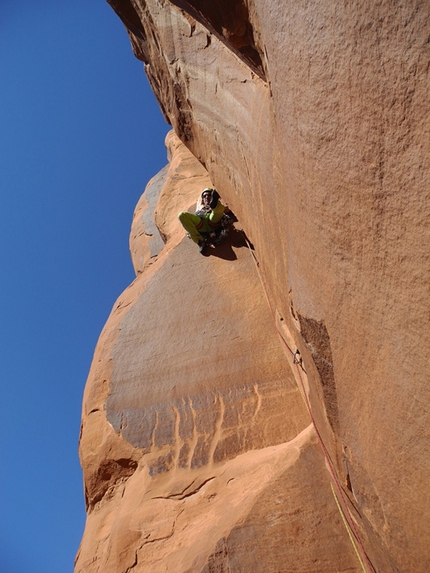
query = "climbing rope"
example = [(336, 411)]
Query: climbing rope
[(343, 508), (348, 529)]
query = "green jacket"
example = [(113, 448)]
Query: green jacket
[(211, 219), (214, 217)]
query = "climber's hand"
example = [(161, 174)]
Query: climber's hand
[(214, 199)]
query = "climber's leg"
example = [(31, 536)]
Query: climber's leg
[(191, 224)]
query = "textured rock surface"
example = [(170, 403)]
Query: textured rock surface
[(195, 436), (312, 120)]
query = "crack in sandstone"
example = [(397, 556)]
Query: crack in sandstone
[(133, 565), (94, 410), (182, 495)]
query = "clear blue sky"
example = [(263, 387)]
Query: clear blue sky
[(80, 136)]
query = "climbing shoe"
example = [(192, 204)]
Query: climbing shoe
[(202, 245)]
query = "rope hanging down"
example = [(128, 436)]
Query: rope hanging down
[(343, 507)]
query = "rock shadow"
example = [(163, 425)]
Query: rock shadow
[(236, 239)]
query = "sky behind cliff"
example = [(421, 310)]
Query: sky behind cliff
[(81, 135)]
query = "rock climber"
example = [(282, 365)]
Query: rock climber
[(206, 218)]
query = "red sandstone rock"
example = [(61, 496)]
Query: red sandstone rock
[(194, 430), (312, 120)]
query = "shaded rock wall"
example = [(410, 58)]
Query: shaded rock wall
[(312, 121)]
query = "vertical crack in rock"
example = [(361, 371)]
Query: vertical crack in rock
[(134, 564)]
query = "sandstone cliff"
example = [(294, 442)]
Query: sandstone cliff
[(204, 447)]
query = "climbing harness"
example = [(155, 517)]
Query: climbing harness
[(343, 507), (219, 231)]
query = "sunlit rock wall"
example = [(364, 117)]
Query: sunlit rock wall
[(195, 435), (312, 121)]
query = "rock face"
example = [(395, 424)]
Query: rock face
[(204, 448)]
